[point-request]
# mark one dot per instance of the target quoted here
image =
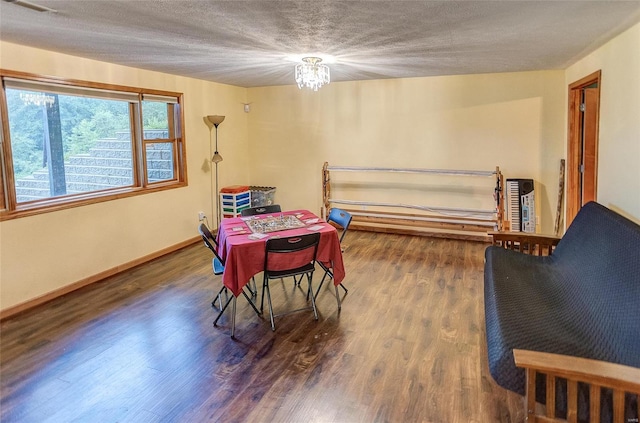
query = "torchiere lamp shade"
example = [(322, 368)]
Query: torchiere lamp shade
[(215, 119)]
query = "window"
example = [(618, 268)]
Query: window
[(159, 137), (73, 143)]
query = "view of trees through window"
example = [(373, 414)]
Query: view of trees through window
[(82, 120), (66, 144)]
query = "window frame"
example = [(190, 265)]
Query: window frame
[(10, 209), (174, 132)]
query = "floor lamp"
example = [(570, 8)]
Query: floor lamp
[(217, 158)]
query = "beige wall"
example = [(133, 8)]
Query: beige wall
[(619, 141), (43, 253), (474, 122), (516, 121)]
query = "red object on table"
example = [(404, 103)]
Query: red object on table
[(234, 189), (244, 257)]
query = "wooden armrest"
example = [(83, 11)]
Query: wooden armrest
[(586, 370), (597, 374), (525, 242)]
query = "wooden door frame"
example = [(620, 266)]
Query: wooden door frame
[(573, 143)]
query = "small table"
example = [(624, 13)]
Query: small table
[(244, 256)]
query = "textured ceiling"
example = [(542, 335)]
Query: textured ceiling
[(250, 43)]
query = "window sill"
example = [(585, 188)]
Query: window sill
[(58, 204)]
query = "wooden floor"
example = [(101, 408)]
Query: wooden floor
[(408, 346)]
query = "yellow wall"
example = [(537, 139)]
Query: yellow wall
[(474, 122), (619, 138), (43, 253), (515, 120)]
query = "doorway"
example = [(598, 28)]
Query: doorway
[(582, 150)]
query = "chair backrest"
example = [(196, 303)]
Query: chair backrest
[(303, 250), (342, 218), (209, 240), (252, 211)]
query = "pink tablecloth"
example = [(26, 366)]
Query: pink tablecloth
[(244, 257)]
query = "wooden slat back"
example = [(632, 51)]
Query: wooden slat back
[(541, 245), (618, 405), (572, 401), (594, 407), (551, 396)]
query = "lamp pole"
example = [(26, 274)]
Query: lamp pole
[(217, 158), (214, 159)]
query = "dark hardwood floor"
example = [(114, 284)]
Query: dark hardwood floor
[(408, 346)]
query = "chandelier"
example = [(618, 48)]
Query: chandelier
[(312, 74), (37, 98)]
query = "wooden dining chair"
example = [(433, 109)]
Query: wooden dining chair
[(290, 256), (342, 219), (252, 211), (218, 268)]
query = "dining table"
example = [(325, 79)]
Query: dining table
[(243, 250)]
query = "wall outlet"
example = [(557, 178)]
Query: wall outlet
[(201, 216)]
